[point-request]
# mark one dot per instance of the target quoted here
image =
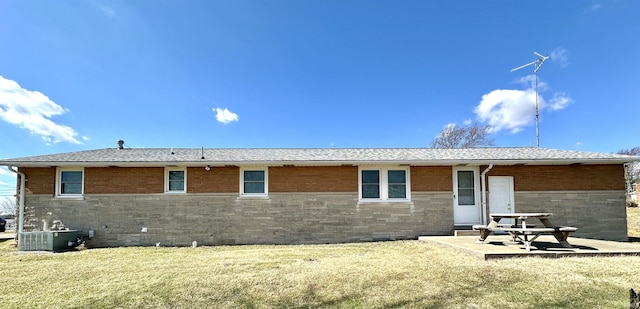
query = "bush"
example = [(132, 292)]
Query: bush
[(632, 204)]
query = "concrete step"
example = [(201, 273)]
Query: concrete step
[(466, 233)]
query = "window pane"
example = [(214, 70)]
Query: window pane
[(254, 181), (465, 179), (253, 175), (371, 184), (397, 191), (176, 175), (466, 188), (176, 185), (370, 191), (254, 187), (370, 177), (72, 176), (71, 182), (397, 177), (466, 197), (71, 188)]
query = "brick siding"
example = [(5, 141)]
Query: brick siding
[(126, 180), (313, 179), (121, 180), (431, 178), (217, 179), (562, 177), (40, 180)]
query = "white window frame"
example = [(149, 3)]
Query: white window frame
[(59, 172), (166, 179), (266, 181), (384, 183)]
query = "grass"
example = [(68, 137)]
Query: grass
[(633, 222), (403, 274)]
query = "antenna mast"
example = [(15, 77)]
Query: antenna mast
[(536, 66)]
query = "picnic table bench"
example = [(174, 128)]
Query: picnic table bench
[(520, 231)]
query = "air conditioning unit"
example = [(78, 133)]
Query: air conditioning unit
[(47, 240)]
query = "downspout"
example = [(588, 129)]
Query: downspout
[(23, 180), (483, 184)]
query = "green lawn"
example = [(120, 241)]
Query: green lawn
[(402, 274)]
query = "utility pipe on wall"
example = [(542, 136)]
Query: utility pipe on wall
[(483, 183), (23, 180)]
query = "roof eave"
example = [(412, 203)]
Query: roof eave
[(317, 163)]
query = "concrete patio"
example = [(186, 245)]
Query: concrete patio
[(7, 235), (502, 246)]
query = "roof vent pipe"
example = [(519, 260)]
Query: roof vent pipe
[(120, 144)]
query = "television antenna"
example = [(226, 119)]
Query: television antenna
[(536, 66)]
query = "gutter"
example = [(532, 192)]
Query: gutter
[(483, 182), (321, 162), (23, 180)]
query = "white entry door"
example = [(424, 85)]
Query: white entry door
[(501, 196), (466, 196)]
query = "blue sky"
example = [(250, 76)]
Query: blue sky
[(78, 75)]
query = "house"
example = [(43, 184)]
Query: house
[(142, 196)]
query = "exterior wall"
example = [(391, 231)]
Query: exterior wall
[(313, 179), (431, 178), (218, 179), (121, 180), (596, 214), (562, 177), (218, 219), (42, 180), (308, 204), (589, 197)]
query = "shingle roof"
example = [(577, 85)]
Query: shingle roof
[(316, 156)]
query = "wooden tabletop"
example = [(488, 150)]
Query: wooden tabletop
[(522, 215)]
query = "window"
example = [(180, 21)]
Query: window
[(466, 188), (175, 180), (370, 184), (254, 182), (70, 182), (397, 184), (384, 183)]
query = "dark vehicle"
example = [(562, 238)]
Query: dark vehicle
[(3, 225)]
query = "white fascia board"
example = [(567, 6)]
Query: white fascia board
[(318, 163)]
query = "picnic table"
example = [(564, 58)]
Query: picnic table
[(524, 232)]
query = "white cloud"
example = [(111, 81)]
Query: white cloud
[(32, 110), (596, 6), (507, 109), (529, 81), (512, 109), (225, 115), (559, 101), (560, 56)]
